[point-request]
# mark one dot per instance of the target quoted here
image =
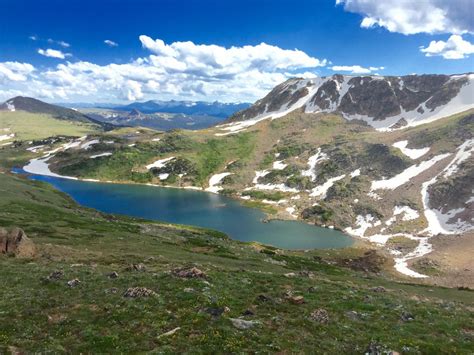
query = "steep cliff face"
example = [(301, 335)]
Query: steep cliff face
[(385, 103)]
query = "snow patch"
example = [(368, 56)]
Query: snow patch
[(411, 153), (279, 165), (355, 173), (35, 148), (40, 166), (216, 180), (462, 102), (237, 127), (5, 137), (89, 144), (100, 155), (321, 190), (423, 248), (159, 163), (10, 106), (406, 175), (408, 212), (312, 162), (291, 211), (437, 221), (363, 223)]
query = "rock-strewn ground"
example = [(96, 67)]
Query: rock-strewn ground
[(101, 283)]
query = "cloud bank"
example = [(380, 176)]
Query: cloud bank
[(454, 48), (180, 70), (414, 16), (421, 16), (355, 69)]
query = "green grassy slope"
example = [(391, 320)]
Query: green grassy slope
[(48, 316), (31, 126)]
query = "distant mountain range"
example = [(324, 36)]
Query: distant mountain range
[(160, 115), (192, 108), (161, 121)]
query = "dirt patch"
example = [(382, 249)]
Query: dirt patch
[(453, 259), (371, 261)]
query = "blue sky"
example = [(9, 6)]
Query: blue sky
[(55, 50)]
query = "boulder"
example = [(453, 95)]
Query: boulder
[(73, 283), (296, 299), (55, 275), (378, 289), (189, 273), (243, 324), (136, 292), (320, 316), (16, 243)]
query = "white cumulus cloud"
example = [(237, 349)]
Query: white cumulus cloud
[(61, 43), (180, 70), (415, 16), (355, 69), (15, 71), (111, 43), (454, 48), (213, 59), (53, 53)]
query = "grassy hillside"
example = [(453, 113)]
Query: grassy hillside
[(343, 310), (355, 154), (32, 126)]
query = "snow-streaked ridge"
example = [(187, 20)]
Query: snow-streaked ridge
[(463, 101)]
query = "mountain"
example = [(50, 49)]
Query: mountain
[(162, 115), (192, 108), (388, 160), (32, 105), (159, 120), (385, 103)]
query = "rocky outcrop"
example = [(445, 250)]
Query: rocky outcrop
[(15, 242), (388, 102)]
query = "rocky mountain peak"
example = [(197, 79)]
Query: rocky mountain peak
[(385, 103)]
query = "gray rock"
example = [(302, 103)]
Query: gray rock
[(320, 315), (113, 275), (73, 283), (189, 273), (243, 324), (55, 275), (136, 292), (378, 289)]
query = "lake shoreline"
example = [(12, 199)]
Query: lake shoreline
[(281, 215), (303, 236)]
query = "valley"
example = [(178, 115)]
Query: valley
[(379, 186), (404, 194), (237, 177)]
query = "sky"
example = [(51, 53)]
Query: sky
[(229, 50)]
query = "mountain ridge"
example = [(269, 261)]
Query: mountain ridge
[(215, 108), (385, 103), (32, 105)]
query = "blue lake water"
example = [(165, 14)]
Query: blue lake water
[(199, 209)]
